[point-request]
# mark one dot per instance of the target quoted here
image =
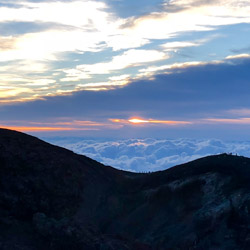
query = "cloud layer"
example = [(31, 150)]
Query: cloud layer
[(144, 155)]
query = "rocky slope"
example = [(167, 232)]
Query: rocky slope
[(51, 198)]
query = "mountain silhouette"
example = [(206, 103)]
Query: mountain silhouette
[(52, 198)]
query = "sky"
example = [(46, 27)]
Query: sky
[(126, 69)]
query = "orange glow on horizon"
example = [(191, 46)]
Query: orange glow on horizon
[(58, 125), (41, 129)]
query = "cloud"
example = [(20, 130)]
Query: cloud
[(169, 68), (240, 112), (119, 78), (130, 58), (126, 41), (66, 26), (245, 121), (172, 68), (11, 91), (67, 85), (189, 16), (17, 28), (88, 24), (239, 56), (6, 43), (73, 75), (46, 45), (177, 45), (141, 155), (78, 13)]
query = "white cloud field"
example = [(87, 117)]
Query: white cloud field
[(146, 155)]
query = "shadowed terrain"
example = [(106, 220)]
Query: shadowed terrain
[(52, 198)]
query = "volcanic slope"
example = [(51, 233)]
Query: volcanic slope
[(52, 198)]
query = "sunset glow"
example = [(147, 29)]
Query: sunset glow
[(137, 120), (142, 121), (60, 125), (41, 129)]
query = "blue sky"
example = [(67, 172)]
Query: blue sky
[(115, 68)]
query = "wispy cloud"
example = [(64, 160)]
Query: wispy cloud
[(130, 58), (12, 91), (239, 56), (170, 68), (177, 45), (242, 121), (189, 16), (154, 70), (239, 112)]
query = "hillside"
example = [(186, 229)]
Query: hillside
[(52, 198)]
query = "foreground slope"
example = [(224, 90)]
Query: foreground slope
[(51, 198)]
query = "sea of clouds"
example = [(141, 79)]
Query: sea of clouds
[(146, 155)]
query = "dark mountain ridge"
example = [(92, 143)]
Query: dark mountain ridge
[(52, 198)]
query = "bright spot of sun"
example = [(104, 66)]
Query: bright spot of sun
[(137, 120)]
